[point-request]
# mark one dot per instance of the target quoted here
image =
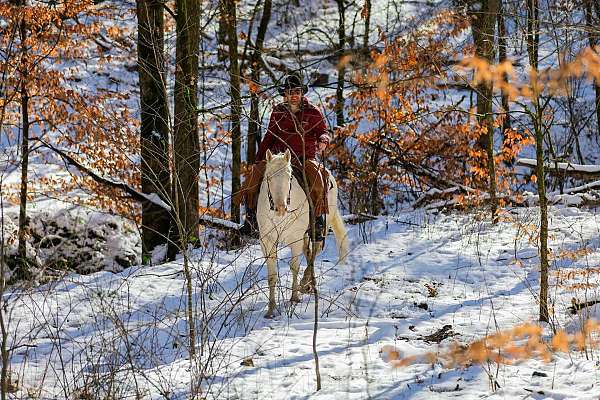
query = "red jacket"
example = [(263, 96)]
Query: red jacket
[(286, 131)]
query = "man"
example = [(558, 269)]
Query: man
[(300, 127)]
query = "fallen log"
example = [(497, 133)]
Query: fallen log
[(578, 306), (354, 219), (219, 223), (436, 195), (564, 169)]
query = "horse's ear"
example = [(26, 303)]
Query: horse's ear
[(288, 155), (269, 156)]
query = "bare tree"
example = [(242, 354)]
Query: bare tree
[(341, 69), (483, 16), (255, 66), (592, 21), (502, 57), (154, 122), (228, 10), (366, 14), (533, 39), (186, 146), (22, 269)]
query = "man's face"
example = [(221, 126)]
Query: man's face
[(293, 96)]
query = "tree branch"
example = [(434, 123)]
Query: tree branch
[(137, 195)]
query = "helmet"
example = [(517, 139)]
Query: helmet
[(292, 81)]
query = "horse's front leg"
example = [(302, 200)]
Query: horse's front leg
[(272, 278), (295, 267), (306, 284)]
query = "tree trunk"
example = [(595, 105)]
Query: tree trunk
[(541, 183), (483, 16), (186, 147), (254, 121), (156, 177), (341, 68), (367, 16), (22, 271), (222, 35), (502, 57), (24, 167), (374, 197), (228, 9), (532, 50), (592, 29), (533, 32)]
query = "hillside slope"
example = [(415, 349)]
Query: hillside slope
[(404, 280)]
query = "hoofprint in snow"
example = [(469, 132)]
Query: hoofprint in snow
[(127, 332)]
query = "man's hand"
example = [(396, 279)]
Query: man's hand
[(321, 146)]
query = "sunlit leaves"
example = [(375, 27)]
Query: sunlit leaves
[(520, 343), (551, 80), (92, 124)]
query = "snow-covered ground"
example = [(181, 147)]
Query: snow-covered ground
[(126, 333), (112, 335)]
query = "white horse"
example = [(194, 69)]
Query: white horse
[(283, 217)]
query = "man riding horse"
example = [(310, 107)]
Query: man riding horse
[(300, 127)]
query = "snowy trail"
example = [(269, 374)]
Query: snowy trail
[(404, 282)]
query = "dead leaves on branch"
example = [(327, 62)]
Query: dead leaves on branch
[(504, 77), (520, 343), (95, 126)]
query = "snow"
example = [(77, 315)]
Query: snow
[(220, 221), (485, 276), (567, 166), (153, 198), (125, 332)]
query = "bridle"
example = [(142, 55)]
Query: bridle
[(289, 197)]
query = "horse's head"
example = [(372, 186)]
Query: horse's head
[(278, 175)]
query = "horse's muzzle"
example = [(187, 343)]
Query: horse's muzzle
[(280, 210)]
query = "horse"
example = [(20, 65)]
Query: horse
[(283, 218)]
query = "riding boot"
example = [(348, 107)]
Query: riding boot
[(320, 228), (250, 227)]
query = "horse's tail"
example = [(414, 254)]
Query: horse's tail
[(336, 222), (341, 235)]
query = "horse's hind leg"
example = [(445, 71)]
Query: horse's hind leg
[(295, 267), (340, 232)]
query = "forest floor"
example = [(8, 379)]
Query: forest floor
[(405, 278)]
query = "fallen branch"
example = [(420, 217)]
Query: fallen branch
[(219, 223), (564, 168), (435, 195), (455, 187), (577, 306), (134, 193), (354, 219), (473, 200), (580, 189)]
